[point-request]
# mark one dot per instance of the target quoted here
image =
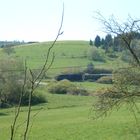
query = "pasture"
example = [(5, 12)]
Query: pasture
[(67, 117), (69, 56)]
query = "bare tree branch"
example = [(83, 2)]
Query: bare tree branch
[(39, 76), (17, 112), (125, 31), (34, 81)]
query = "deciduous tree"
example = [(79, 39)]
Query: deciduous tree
[(126, 87)]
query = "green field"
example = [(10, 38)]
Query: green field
[(67, 117), (69, 56)]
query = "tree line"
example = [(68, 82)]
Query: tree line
[(10, 43), (113, 43)]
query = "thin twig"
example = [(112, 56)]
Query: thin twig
[(17, 112), (33, 81)]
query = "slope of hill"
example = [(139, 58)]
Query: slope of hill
[(69, 56), (67, 116)]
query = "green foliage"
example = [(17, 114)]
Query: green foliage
[(8, 50), (125, 89), (91, 42), (11, 83), (71, 118), (35, 54), (97, 41), (136, 47), (93, 86), (112, 55), (104, 95), (126, 56), (128, 78), (11, 95), (96, 54), (90, 68), (37, 98), (67, 101), (105, 80), (118, 44), (108, 42), (102, 42), (60, 87), (77, 91), (67, 87)]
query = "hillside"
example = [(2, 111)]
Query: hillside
[(67, 116), (69, 56)]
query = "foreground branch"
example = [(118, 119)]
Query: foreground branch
[(35, 81), (125, 31), (19, 104)]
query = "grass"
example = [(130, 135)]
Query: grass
[(36, 52), (67, 55), (92, 86), (70, 117), (67, 117)]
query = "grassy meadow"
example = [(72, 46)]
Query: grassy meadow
[(67, 117), (69, 56)]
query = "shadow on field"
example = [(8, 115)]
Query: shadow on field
[(3, 114)]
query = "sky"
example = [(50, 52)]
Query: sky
[(39, 20)]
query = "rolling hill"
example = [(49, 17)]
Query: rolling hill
[(69, 56)]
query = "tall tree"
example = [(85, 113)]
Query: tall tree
[(91, 42), (117, 43), (102, 41), (97, 41), (108, 42)]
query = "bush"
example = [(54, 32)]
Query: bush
[(108, 93), (129, 77), (4, 105), (66, 87), (11, 96), (77, 91), (96, 54), (89, 69), (36, 99), (112, 55), (60, 87), (105, 80), (11, 83), (126, 56)]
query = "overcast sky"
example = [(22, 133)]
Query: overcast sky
[(39, 20)]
